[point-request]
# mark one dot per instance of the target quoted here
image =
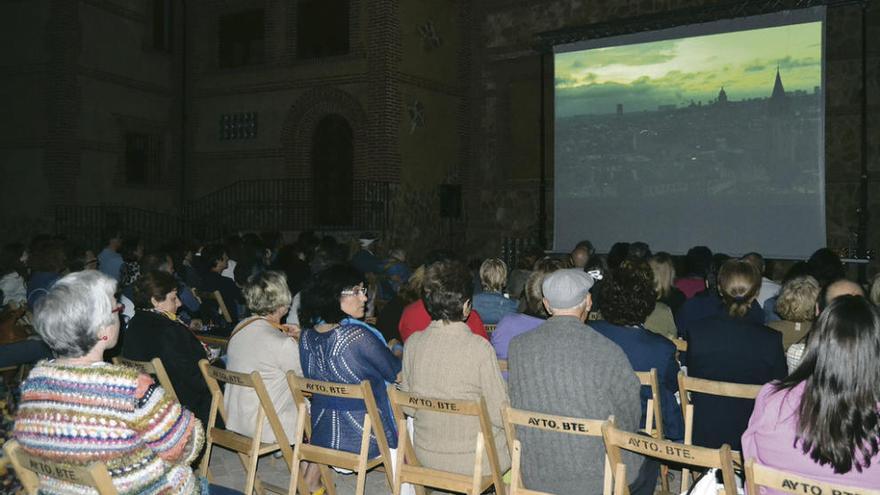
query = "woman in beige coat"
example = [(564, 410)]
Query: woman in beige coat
[(448, 361)]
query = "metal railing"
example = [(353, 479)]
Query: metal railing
[(247, 205)]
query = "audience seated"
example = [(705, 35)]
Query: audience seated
[(517, 323), (710, 303), (697, 262), (769, 288), (799, 269), (796, 305), (213, 261), (516, 279), (47, 263), (728, 347), (564, 367), (447, 360), (832, 291), (132, 251), (581, 254), (364, 259), (336, 346), (822, 421), (415, 318), (12, 272), (491, 303), (395, 274), (629, 298), (261, 343), (825, 266), (389, 317), (146, 439), (156, 332), (109, 259), (664, 276)]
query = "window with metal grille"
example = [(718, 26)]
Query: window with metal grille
[(241, 39), (321, 28), (143, 159)]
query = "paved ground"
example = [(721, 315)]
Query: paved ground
[(228, 471)]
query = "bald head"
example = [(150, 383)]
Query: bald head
[(842, 287), (579, 257)]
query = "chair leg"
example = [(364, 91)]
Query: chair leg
[(327, 479), (294, 473)]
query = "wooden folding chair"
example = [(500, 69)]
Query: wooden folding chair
[(653, 414), (249, 449), (664, 451), (409, 470), (360, 462), (29, 468), (516, 487), (681, 345), (502, 363), (221, 304), (152, 367), (547, 422), (224, 310), (711, 387), (490, 328), (788, 482)]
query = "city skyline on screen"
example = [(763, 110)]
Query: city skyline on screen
[(685, 71)]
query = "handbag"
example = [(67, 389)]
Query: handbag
[(709, 483)]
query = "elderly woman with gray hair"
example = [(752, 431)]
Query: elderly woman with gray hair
[(262, 343), (78, 409)]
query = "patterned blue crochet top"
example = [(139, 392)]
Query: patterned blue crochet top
[(349, 353)]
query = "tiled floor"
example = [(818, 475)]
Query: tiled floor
[(227, 470)]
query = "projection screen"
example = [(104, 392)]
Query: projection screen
[(709, 134)]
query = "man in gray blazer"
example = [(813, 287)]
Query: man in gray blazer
[(566, 368)]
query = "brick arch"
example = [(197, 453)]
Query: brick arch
[(302, 119)]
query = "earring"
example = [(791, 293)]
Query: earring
[(105, 337)]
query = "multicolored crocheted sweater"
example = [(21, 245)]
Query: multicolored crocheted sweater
[(112, 414)]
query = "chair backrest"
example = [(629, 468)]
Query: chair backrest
[(701, 385), (248, 448), (681, 345), (152, 367), (516, 487), (502, 364), (664, 451), (490, 328), (549, 422), (408, 464), (788, 482), (302, 387), (224, 310), (28, 468), (653, 414)]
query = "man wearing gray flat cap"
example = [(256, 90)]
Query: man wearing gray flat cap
[(566, 368)]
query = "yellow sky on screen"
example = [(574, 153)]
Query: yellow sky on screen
[(676, 71)]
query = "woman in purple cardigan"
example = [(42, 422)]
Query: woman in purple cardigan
[(823, 420)]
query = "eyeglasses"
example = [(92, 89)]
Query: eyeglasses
[(355, 291)]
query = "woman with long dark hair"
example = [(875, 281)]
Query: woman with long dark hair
[(823, 420)]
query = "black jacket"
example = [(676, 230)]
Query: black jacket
[(150, 335), (729, 349)]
